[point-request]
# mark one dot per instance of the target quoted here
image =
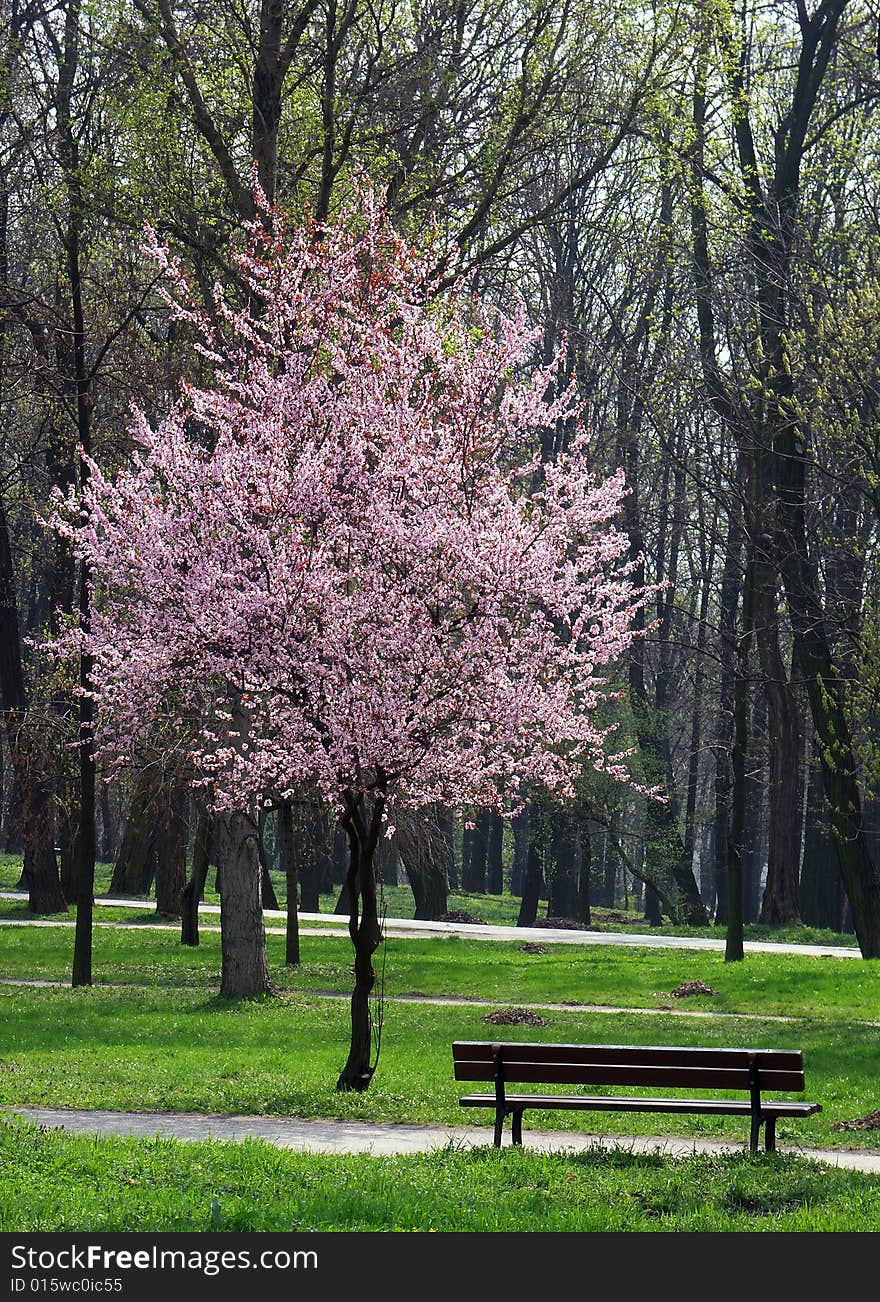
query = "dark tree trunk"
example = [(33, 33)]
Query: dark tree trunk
[(267, 890), (520, 829), (66, 834), (362, 821), (194, 889), (245, 969), (532, 883), (733, 951), (467, 843), (108, 825), (821, 886), (583, 896), (171, 840), (562, 895), (609, 872), (780, 903), (755, 785), (533, 878), (13, 825), (494, 860), (475, 881), (423, 851), (653, 910), (388, 862), (28, 762), (447, 835), (287, 844), (136, 865)]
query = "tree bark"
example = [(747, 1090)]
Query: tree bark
[(362, 821), (267, 890), (562, 895), (136, 864), (28, 762), (533, 878), (423, 851), (733, 950), (171, 839), (520, 829), (583, 897), (287, 843), (494, 860), (194, 889), (245, 969)]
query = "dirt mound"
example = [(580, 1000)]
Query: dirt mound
[(688, 988), (870, 1122), (461, 915), (514, 1017), (567, 924), (530, 948)]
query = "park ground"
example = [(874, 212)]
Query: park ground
[(153, 1036)]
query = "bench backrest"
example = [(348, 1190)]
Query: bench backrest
[(612, 1064)]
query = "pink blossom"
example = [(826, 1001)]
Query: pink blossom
[(344, 558)]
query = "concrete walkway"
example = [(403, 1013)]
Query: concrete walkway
[(378, 1138), (328, 924)]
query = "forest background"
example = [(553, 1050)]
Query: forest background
[(686, 197)]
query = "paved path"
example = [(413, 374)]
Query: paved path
[(455, 1001), (378, 1138), (410, 929)]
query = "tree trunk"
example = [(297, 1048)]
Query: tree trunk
[(423, 851), (494, 860), (533, 878), (583, 897), (171, 839), (108, 825), (780, 904), (821, 887), (520, 829), (267, 891), (362, 821), (194, 889), (733, 951), (245, 969), (287, 843), (136, 865), (562, 896), (28, 762), (755, 787), (447, 835), (475, 880)]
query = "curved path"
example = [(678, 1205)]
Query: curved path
[(409, 929), (327, 1136)]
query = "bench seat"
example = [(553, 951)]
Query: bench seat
[(646, 1066), (610, 1103)]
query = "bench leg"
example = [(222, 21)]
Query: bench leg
[(770, 1134), (499, 1126), (517, 1125), (755, 1133)]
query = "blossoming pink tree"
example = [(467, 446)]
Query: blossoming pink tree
[(342, 563)]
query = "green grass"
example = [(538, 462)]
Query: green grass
[(500, 910), (103, 1185), (185, 1051), (764, 984)]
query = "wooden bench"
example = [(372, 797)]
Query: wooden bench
[(749, 1070)]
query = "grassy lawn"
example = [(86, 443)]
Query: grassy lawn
[(189, 1051), (173, 1044), (501, 972), (121, 1184)]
